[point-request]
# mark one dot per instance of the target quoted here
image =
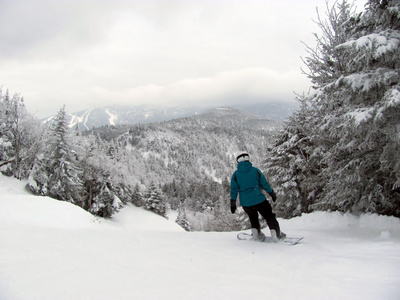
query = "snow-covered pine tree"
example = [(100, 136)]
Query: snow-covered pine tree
[(353, 114), (171, 192), (105, 202), (103, 192), (181, 220), (154, 200), (364, 161), (7, 151), (19, 136), (56, 172), (137, 197), (294, 165)]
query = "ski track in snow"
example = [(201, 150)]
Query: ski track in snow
[(54, 250), (112, 118)]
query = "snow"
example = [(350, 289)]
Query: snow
[(394, 97), (361, 114), (54, 250), (82, 119), (112, 118), (383, 42)]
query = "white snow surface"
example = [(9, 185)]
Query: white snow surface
[(54, 250), (112, 118)]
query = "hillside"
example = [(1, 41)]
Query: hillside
[(188, 162), (200, 147), (54, 250)]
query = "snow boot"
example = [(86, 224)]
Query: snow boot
[(257, 235), (261, 236), (275, 237)]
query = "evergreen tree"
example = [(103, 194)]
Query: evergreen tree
[(102, 194), (56, 172), (181, 220), (19, 136), (137, 197), (154, 200), (6, 137), (295, 165), (364, 160), (340, 150)]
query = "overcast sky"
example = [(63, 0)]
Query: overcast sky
[(92, 53)]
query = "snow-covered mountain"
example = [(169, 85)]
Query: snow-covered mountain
[(193, 147), (277, 111), (143, 114), (117, 115)]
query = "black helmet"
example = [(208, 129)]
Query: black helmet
[(243, 157)]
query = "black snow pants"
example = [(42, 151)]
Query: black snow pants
[(265, 209)]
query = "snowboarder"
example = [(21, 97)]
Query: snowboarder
[(248, 182)]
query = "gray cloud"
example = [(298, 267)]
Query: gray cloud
[(51, 29), (87, 53)]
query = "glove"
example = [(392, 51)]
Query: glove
[(233, 206), (273, 196)]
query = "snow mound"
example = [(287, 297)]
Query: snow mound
[(21, 207), (10, 185), (346, 220), (367, 225)]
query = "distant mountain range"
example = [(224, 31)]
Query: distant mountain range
[(143, 114)]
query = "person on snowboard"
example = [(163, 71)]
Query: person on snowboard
[(247, 181)]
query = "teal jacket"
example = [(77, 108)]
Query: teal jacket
[(247, 181)]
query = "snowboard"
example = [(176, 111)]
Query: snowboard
[(268, 239)]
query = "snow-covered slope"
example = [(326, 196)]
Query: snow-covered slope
[(54, 250)]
